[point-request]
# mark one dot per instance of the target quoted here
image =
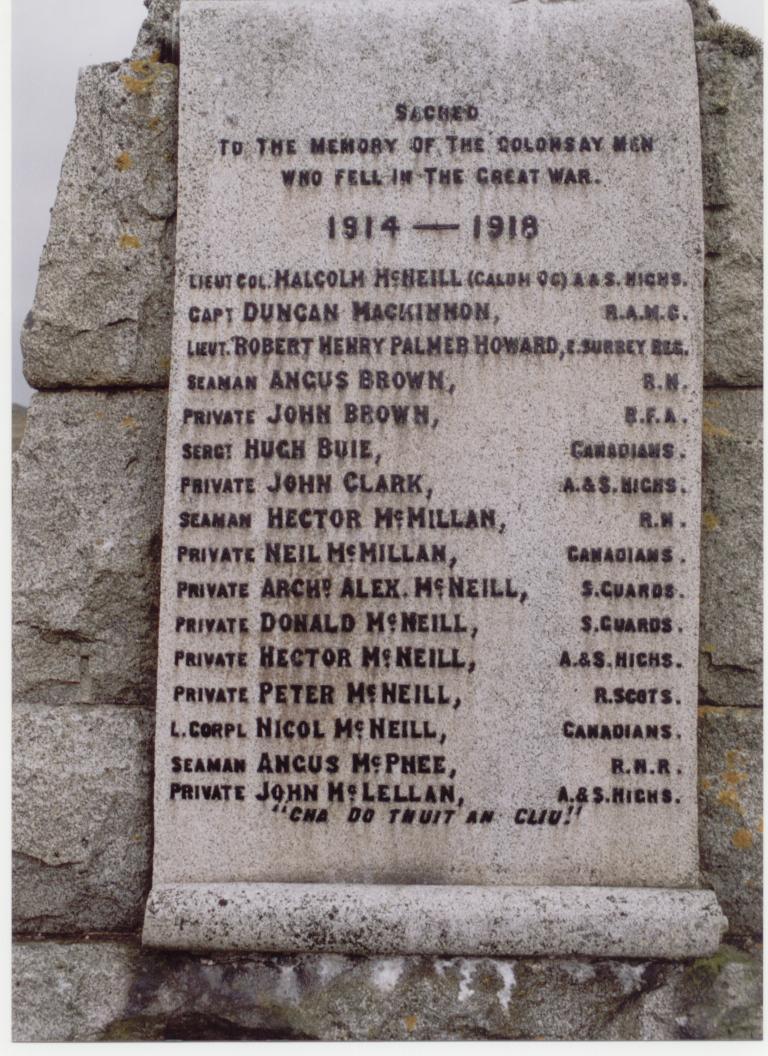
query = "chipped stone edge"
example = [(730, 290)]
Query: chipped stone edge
[(665, 923)]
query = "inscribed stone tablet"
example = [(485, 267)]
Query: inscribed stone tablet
[(430, 566)]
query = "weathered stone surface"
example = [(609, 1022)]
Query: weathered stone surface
[(81, 817), (506, 424), (18, 421), (704, 13), (730, 670), (103, 306), (730, 810), (64, 992), (87, 523), (737, 39), (441, 920), (730, 85), (160, 30), (115, 992), (715, 997)]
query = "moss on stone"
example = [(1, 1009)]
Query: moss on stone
[(712, 966)]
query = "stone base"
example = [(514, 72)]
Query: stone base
[(111, 990), (440, 920)]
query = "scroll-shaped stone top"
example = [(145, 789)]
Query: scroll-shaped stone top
[(430, 560)]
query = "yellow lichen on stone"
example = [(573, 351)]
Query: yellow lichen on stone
[(734, 777), (123, 161), (129, 242), (410, 1023), (154, 122), (136, 85), (708, 709), (710, 429), (146, 70), (742, 839), (729, 798), (709, 521), (129, 422)]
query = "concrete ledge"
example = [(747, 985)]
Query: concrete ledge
[(425, 919)]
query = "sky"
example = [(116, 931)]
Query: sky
[(52, 39)]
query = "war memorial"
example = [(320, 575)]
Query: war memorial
[(387, 600)]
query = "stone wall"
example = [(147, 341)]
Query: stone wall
[(87, 529)]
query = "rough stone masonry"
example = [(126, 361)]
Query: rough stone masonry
[(87, 524)]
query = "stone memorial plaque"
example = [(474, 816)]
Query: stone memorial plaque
[(428, 635)]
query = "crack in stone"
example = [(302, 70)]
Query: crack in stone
[(53, 634), (102, 326), (42, 861), (740, 668), (653, 978)]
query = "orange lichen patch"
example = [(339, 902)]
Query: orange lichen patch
[(146, 71), (729, 798), (710, 429), (410, 1023), (123, 161), (734, 777), (704, 783), (708, 709), (709, 521), (129, 422), (742, 839), (129, 242), (136, 85), (154, 122), (760, 825)]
